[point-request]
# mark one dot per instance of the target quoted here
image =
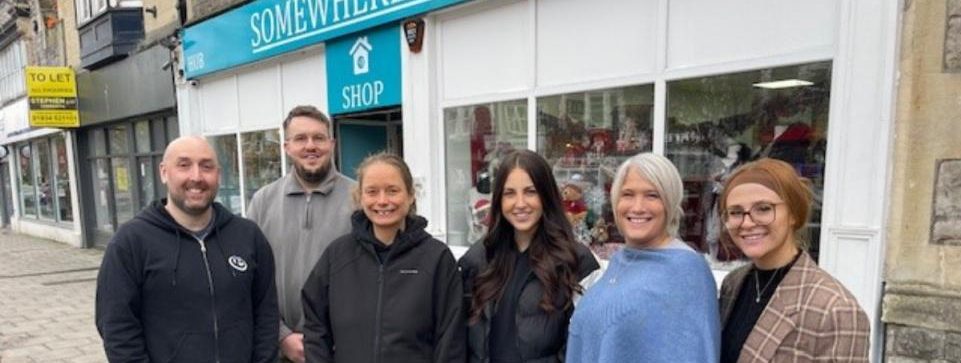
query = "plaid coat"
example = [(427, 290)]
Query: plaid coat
[(810, 318)]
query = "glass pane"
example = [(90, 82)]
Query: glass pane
[(101, 190), (119, 140), (477, 136), (261, 159), (226, 148), (715, 124), (98, 144), (585, 136), (173, 130), (146, 171), (122, 194), (158, 134), (42, 162), (64, 205), (142, 134), (28, 192)]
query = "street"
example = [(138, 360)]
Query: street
[(46, 301)]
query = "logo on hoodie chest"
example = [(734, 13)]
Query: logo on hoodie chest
[(238, 263)]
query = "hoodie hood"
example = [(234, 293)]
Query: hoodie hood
[(413, 233)]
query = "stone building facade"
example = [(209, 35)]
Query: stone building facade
[(921, 308)]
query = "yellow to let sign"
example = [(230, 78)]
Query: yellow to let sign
[(52, 94)]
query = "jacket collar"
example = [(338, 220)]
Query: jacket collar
[(292, 186), (779, 318), (411, 236)]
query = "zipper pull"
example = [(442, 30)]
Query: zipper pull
[(203, 246)]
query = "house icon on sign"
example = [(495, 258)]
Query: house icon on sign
[(361, 51)]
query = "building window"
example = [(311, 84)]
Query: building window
[(477, 137), (89, 9), (714, 124), (229, 193), (585, 136), (123, 161), (44, 179), (12, 61), (261, 151)]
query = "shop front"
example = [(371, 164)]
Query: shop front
[(128, 116), (587, 84)]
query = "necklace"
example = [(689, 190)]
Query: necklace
[(757, 284)]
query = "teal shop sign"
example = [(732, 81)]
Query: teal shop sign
[(265, 28), (363, 70)]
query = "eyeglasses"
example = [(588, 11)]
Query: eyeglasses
[(301, 140), (761, 213)]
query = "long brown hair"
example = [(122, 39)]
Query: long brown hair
[(551, 252)]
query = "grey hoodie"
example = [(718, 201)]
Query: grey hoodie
[(299, 226)]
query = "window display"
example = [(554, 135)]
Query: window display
[(44, 179), (715, 124), (477, 137), (229, 192), (585, 136), (28, 201), (261, 160)]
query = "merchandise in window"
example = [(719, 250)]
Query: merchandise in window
[(585, 136), (477, 137), (715, 124), (261, 159), (229, 193)]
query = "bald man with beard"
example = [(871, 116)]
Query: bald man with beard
[(186, 280)]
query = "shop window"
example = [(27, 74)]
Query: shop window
[(226, 148), (44, 180), (64, 205), (714, 124), (476, 138), (262, 166), (28, 193), (585, 136)]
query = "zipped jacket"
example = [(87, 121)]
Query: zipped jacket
[(165, 296), (406, 309), (541, 336)]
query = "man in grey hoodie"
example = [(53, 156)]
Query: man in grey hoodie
[(301, 213)]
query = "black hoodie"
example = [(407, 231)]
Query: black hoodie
[(165, 296), (406, 309)]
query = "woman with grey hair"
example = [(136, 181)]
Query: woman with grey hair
[(657, 299)]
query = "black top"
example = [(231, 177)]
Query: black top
[(748, 308), (503, 337)]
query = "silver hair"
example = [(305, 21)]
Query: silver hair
[(663, 175)]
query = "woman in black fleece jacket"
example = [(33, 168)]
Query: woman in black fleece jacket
[(388, 291)]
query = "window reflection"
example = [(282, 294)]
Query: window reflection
[(261, 160), (477, 137), (714, 124), (229, 193)]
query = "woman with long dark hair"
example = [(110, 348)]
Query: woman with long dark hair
[(520, 282)]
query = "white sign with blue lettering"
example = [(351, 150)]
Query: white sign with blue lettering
[(363, 70)]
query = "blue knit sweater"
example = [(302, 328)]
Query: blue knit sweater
[(652, 305)]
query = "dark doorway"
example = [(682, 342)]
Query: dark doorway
[(362, 134)]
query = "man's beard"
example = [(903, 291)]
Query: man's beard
[(181, 203), (312, 177)]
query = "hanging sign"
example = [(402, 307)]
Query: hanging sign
[(52, 95)]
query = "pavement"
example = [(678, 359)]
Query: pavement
[(47, 301)]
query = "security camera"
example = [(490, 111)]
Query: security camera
[(192, 82)]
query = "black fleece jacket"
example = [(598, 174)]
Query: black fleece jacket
[(165, 296), (407, 309)]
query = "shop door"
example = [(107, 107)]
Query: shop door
[(5, 195), (360, 135)]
